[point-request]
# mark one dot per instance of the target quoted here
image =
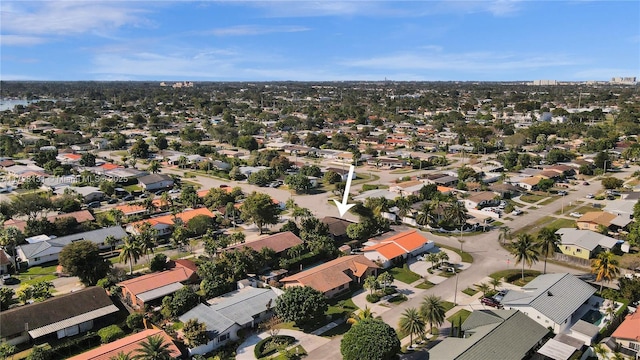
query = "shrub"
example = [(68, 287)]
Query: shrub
[(267, 346), (135, 321), (110, 333), (389, 291), (373, 298)]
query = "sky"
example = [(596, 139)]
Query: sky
[(480, 40)]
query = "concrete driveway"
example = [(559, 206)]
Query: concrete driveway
[(307, 341)]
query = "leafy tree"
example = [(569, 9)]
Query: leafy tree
[(370, 339), (31, 204), (301, 304), (32, 183), (121, 356), (247, 142), (525, 250), (605, 267), (180, 302), (42, 290), (371, 283), (298, 182), (331, 177), (154, 167), (411, 322), (432, 310), (40, 353), (158, 263), (154, 348), (110, 333), (140, 149), (82, 259), (261, 210), (262, 177), (311, 170), (6, 350), (189, 196), (198, 225), (195, 333), (545, 184), (612, 183), (386, 279), (130, 252), (11, 237), (629, 288), (135, 321), (548, 241), (161, 142), (25, 293), (88, 159), (6, 297)]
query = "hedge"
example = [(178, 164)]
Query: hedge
[(110, 333), (373, 298), (262, 349)]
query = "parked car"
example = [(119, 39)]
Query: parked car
[(516, 212), (8, 280), (576, 214), (590, 196), (112, 201), (562, 193), (160, 192), (129, 198), (143, 196), (174, 191), (93, 205), (490, 302)]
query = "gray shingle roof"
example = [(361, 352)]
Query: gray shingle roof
[(556, 296), (216, 323), (96, 236), (492, 334), (585, 238), (241, 305)]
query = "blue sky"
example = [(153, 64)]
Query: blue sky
[(319, 40)]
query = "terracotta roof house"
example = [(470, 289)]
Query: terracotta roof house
[(80, 216), (593, 219), (397, 248), (627, 335), (146, 288), (337, 226), (334, 277), (132, 209), (529, 183), (481, 199), (279, 242), (58, 317), (128, 345), (164, 224), (5, 262)]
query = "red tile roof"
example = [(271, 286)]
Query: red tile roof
[(388, 250), (278, 242), (128, 345), (80, 216), (630, 328), (144, 283), (332, 274), (185, 216)]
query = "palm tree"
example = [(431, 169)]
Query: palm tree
[(411, 322), (117, 215), (484, 287), (370, 283), (432, 310), (605, 266), (121, 356), (618, 356), (404, 207), (433, 258), (495, 283), (456, 212), (111, 241), (548, 241), (130, 252), (154, 348), (600, 351), (425, 216), (154, 167), (442, 257), (525, 251), (386, 279), (362, 315), (147, 239), (505, 234)]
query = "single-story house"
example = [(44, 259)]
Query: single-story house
[(225, 315), (144, 289), (155, 182), (529, 183), (88, 193), (627, 335), (555, 301), (481, 199), (334, 277), (6, 262), (337, 226), (407, 188), (492, 334), (280, 242), (48, 250), (583, 244), (129, 345), (57, 317), (594, 219), (132, 209), (81, 216), (398, 248), (164, 224)]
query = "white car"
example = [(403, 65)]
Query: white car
[(576, 214), (174, 191), (590, 196), (516, 212)]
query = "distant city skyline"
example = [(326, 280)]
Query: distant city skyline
[(504, 40)]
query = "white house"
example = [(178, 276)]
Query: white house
[(155, 182)]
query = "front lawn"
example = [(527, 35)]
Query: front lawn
[(448, 305), (466, 257), (562, 223), (425, 285), (470, 291), (405, 275), (461, 314), (514, 276), (531, 198)]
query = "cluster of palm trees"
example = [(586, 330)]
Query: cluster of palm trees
[(414, 321), (134, 247), (153, 348), (436, 213), (437, 258), (528, 249)]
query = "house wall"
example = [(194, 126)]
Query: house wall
[(41, 259), (157, 185), (379, 259), (629, 344), (231, 334), (335, 291), (541, 319), (16, 339), (587, 226), (424, 248), (574, 250)]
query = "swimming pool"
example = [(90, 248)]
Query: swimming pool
[(593, 317)]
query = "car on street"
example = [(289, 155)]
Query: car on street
[(93, 205), (112, 201), (516, 212), (129, 198), (590, 196), (562, 193), (8, 280), (576, 214), (143, 196), (490, 302)]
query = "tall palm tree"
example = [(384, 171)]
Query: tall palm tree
[(495, 283), (371, 283), (154, 348), (432, 310), (433, 258), (548, 241), (525, 250), (456, 212), (111, 241), (505, 234), (605, 266), (130, 252), (147, 239), (121, 356), (117, 215), (154, 167), (361, 315), (411, 322), (484, 287), (600, 351), (442, 257), (404, 207), (425, 215)]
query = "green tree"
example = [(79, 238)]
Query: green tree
[(545, 184), (147, 238), (40, 353), (154, 167), (195, 333), (154, 348), (10, 237), (189, 196), (363, 314), (370, 339), (386, 279), (130, 252), (483, 287), (135, 321), (161, 142), (260, 209), (432, 310), (548, 241), (121, 356), (88, 159), (495, 283), (605, 267), (6, 350), (612, 183), (140, 149), (180, 302), (525, 250), (32, 183), (158, 263), (6, 297), (301, 304), (412, 323), (82, 259), (298, 182), (247, 142), (331, 177), (371, 283)]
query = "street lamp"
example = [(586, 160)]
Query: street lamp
[(455, 294)]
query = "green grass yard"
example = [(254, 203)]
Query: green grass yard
[(404, 275), (425, 285), (459, 317)]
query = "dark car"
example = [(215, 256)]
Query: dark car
[(129, 198), (143, 196), (490, 302), (112, 201), (10, 281), (160, 192), (93, 205)]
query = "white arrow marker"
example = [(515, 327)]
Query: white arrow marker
[(344, 207)]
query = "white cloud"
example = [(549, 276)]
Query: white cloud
[(66, 17), (242, 30), (7, 40)]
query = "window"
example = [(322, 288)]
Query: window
[(634, 346), (36, 259), (578, 250), (341, 287), (223, 337)]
